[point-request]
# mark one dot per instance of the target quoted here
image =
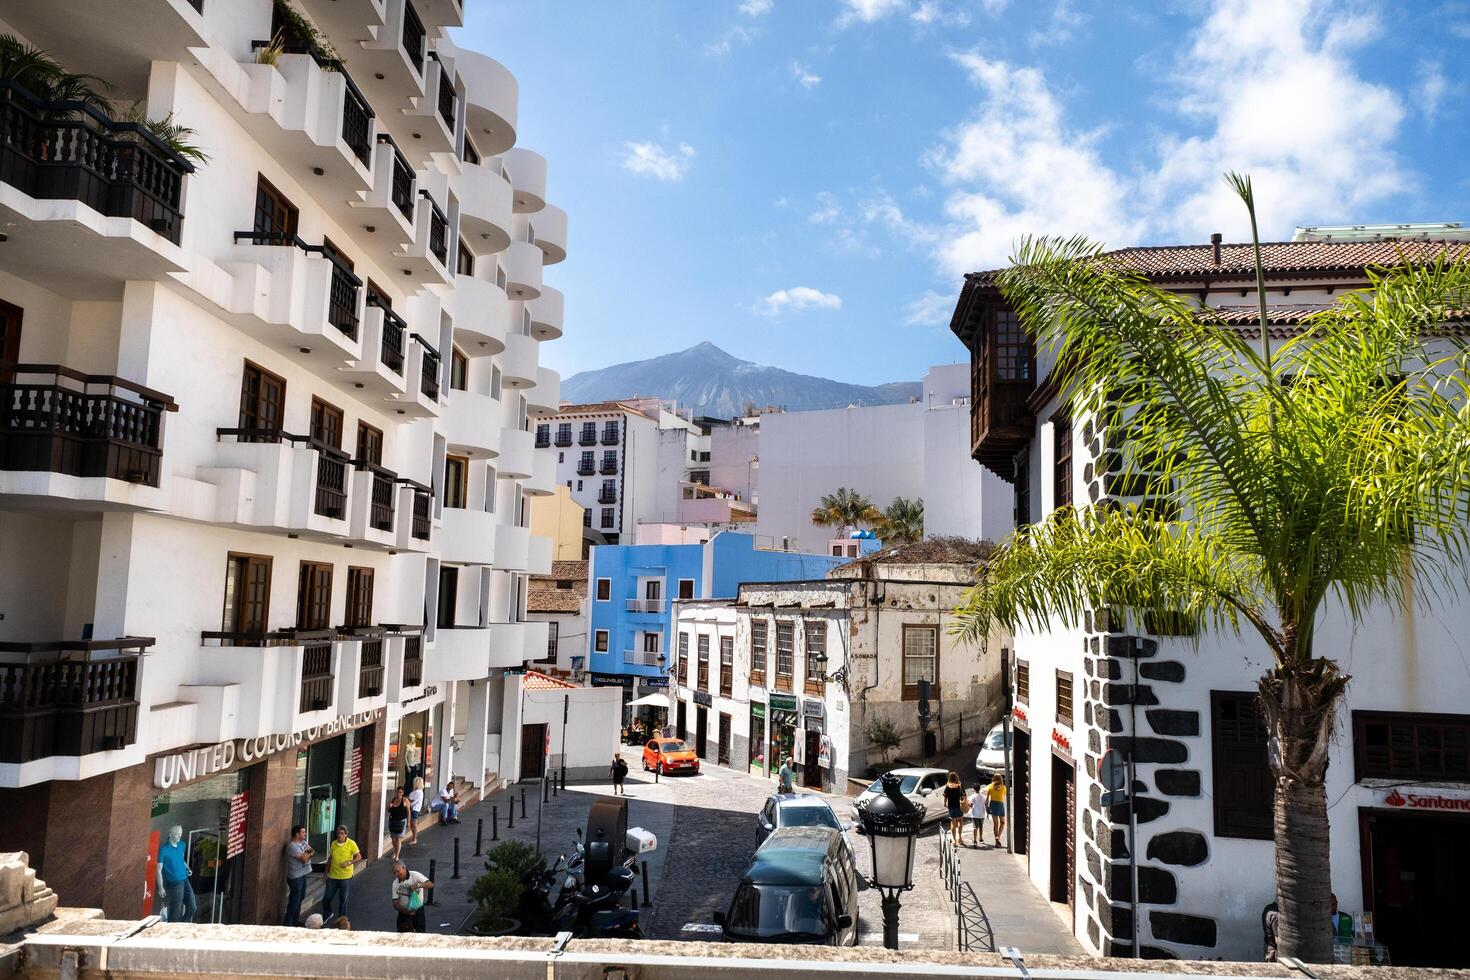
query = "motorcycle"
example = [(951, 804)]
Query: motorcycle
[(585, 911)]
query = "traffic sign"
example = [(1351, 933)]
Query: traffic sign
[(1112, 772)]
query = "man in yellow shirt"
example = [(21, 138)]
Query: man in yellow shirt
[(995, 805), (343, 857)]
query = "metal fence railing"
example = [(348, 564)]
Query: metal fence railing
[(972, 926)]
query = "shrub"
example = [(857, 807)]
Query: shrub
[(883, 738)]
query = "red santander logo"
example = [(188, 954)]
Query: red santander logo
[(1424, 801), (1394, 798)]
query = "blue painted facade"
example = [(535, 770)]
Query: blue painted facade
[(715, 570)]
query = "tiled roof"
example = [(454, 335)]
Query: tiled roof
[(569, 569), (537, 681), (554, 600), (1176, 262), (930, 551), (597, 408)]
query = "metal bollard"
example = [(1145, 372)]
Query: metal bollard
[(494, 822), (563, 779), (510, 819), (479, 834), (554, 786), (647, 895), (456, 859), (429, 899), (635, 899), (523, 802)]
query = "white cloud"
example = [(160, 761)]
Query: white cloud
[(932, 309), (756, 8), (827, 210), (868, 11), (653, 160), (1431, 88), (1062, 27), (804, 75), (726, 41), (1266, 86), (796, 299)]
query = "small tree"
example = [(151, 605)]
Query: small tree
[(883, 737), (497, 893), (845, 508), (902, 522)]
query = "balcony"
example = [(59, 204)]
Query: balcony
[(587, 437), (470, 424), (393, 66), (461, 653), (417, 501), (518, 365), (542, 482), (293, 294), (527, 170), (362, 681), (431, 367), (439, 14), (550, 224), (547, 313), (481, 314), (522, 262), (652, 606), (280, 681), (468, 537), (79, 437), (485, 206), (544, 399), (563, 439), (383, 337), (272, 479), (433, 117), (391, 202), (645, 658), (426, 260), (586, 468), (375, 493), (68, 698), (404, 675), (491, 94), (512, 547), (609, 467), (538, 555), (74, 182), (543, 439), (610, 435), (517, 454), (607, 496)]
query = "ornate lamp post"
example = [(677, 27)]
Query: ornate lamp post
[(891, 823)]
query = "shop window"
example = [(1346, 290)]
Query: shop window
[(1243, 783), (1023, 682), (785, 653), (359, 597), (599, 641), (1062, 442), (369, 444), (247, 594), (459, 370), (703, 681), (604, 589), (456, 480), (262, 402), (200, 815), (326, 423), (1064, 698), (1411, 747), (920, 659), (727, 665), (314, 596)]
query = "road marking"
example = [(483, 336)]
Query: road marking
[(702, 927)]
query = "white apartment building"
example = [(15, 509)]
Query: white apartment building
[(919, 450), (265, 439), (1398, 779)]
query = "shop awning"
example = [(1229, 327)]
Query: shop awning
[(652, 700)]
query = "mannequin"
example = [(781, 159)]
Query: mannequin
[(173, 877), (412, 756)]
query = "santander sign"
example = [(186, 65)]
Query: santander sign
[(1420, 801)]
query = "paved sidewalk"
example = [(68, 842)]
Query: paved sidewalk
[(1019, 915)]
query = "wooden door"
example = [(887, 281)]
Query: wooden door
[(701, 731), (533, 750), (1063, 831), (811, 772), (1021, 792), (724, 755)]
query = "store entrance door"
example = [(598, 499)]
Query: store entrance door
[(811, 773), (1021, 793), (1063, 830), (683, 715), (701, 731), (533, 747), (724, 755), (1415, 868)]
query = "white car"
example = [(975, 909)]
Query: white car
[(922, 787), (992, 757)]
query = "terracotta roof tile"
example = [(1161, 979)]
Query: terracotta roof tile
[(554, 600), (596, 408), (537, 681), (569, 569), (930, 551)]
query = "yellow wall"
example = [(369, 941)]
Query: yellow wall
[(557, 517)]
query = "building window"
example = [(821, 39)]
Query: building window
[(359, 596), (262, 402), (552, 629), (599, 641), (604, 589), (495, 382), (758, 651), (1012, 348), (326, 424), (1064, 698), (275, 216), (683, 658), (651, 644), (607, 517), (686, 589), (609, 432), (471, 154), (464, 260), (456, 481), (703, 645), (920, 659), (586, 514), (1243, 783), (564, 433), (785, 653), (1023, 489), (247, 594), (369, 444), (727, 665), (816, 650), (459, 370), (585, 464), (1411, 747), (609, 461), (314, 596), (1023, 682), (543, 438), (1062, 442), (589, 434)]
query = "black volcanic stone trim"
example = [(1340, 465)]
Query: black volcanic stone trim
[(1186, 847), (1088, 662), (1097, 689), (1088, 824), (1152, 750), (1087, 711), (1155, 885), (1148, 952), (1130, 694), (1167, 721), (1117, 919), (1188, 930), (1090, 762), (1148, 809), (1093, 934), (1111, 669), (1094, 797), (1114, 720), (1112, 841), (1094, 861), (1163, 670), (1094, 741), (1131, 646), (1177, 782), (1088, 894)]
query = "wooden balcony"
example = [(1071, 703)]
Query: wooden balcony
[(56, 420), (68, 698)]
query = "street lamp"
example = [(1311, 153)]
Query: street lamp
[(891, 823)]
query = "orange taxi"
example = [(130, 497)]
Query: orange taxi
[(669, 755)]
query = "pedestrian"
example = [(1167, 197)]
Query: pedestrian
[(784, 786), (415, 808), (298, 868), (398, 820), (619, 773), (977, 815), (447, 805), (995, 805), (343, 857), (954, 801), (408, 898)]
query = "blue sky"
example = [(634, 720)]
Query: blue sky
[(803, 182)]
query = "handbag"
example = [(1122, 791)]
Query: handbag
[(964, 805)]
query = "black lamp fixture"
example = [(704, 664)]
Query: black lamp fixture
[(839, 675), (891, 823)]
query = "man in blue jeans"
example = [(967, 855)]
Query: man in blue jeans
[(447, 805), (298, 869), (173, 877)]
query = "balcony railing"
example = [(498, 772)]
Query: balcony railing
[(563, 439), (395, 328), (370, 667), (342, 296), (446, 99), (403, 179), (357, 118), (543, 441), (423, 499), (587, 438), (68, 698), (429, 372), (385, 490), (72, 151), (606, 496), (609, 437), (413, 661), (586, 469), (438, 230), (331, 469), (645, 605), (609, 467), (56, 420), (413, 36), (316, 658), (644, 658)]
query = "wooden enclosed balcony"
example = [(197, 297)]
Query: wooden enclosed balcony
[(69, 698)]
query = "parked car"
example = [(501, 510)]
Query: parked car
[(801, 888), (923, 787), (796, 810), (669, 755), (992, 757)]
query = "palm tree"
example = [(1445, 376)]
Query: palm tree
[(902, 522), (43, 77), (844, 509), (1334, 468)]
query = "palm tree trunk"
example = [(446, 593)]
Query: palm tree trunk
[(1299, 698)]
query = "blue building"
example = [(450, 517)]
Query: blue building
[(631, 589)]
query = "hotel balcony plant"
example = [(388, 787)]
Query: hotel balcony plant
[(1264, 484)]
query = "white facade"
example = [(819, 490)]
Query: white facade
[(360, 424), (607, 456)]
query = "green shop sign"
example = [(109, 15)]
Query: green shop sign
[(783, 702), (757, 710)]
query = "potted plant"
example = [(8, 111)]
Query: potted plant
[(497, 893)]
